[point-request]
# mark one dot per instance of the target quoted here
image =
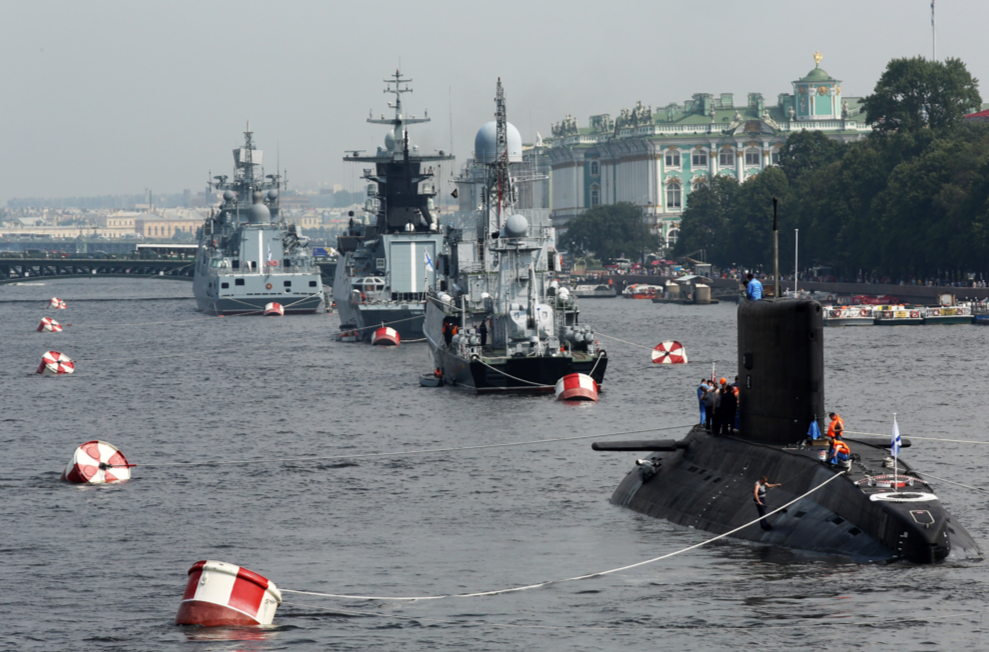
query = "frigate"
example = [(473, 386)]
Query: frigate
[(499, 320), (384, 266), (247, 257)]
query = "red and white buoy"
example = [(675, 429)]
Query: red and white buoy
[(274, 310), (49, 325), (54, 363), (385, 336), (97, 462), (221, 594), (576, 387), (56, 303), (669, 352)]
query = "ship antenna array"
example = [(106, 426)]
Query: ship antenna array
[(501, 151)]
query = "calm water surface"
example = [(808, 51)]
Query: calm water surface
[(104, 567)]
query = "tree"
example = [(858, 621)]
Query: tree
[(705, 220), (808, 151), (914, 93), (609, 231), (750, 230)]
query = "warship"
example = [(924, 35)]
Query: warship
[(496, 278), (871, 512), (247, 258), (384, 267)]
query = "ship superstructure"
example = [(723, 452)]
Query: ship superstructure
[(386, 266), (248, 257), (499, 319)]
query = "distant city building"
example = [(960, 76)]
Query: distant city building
[(655, 158)]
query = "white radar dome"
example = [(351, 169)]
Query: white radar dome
[(486, 143), (516, 226)]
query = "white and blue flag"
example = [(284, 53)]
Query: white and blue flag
[(428, 261), (894, 445)]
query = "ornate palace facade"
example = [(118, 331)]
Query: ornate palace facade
[(655, 158)]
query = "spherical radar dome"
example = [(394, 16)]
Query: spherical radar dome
[(516, 226), (486, 143), (258, 214)]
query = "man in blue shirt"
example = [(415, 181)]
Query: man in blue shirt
[(701, 391), (753, 291)]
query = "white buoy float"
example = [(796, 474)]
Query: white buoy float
[(576, 387), (56, 303), (669, 352), (220, 594), (54, 363), (274, 310), (49, 325), (385, 336), (97, 462)]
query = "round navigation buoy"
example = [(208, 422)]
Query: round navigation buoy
[(54, 363), (385, 336), (49, 325), (669, 352), (220, 594), (576, 387), (56, 303), (274, 310), (97, 462)]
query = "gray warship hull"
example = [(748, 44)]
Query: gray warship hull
[(248, 257)]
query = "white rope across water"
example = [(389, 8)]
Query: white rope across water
[(761, 626), (527, 587), (426, 451)]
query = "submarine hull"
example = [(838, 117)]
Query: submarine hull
[(708, 484)]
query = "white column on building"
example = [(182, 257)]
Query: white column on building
[(764, 162), (740, 162), (712, 162)]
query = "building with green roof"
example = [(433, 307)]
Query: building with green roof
[(654, 158)]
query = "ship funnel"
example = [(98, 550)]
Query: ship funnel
[(780, 369)]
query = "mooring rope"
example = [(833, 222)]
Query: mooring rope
[(521, 380), (928, 475), (527, 587), (426, 451), (761, 626)]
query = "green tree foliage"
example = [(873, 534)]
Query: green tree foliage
[(916, 93), (609, 231), (706, 217)]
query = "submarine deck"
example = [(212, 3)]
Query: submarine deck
[(709, 485)]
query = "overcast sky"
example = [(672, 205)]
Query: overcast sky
[(104, 97)]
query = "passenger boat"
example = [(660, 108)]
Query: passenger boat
[(899, 315), (948, 315), (602, 291), (642, 291), (860, 315)]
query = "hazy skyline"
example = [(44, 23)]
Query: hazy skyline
[(108, 97)]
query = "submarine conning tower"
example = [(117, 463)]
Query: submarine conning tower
[(780, 369)]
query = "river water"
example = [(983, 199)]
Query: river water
[(104, 567)]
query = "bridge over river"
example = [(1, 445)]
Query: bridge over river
[(20, 269)]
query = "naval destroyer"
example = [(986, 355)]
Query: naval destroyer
[(385, 267), (498, 320), (247, 257)]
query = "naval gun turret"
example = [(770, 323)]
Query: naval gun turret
[(706, 481)]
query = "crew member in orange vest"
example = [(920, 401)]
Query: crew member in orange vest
[(837, 427), (839, 451)]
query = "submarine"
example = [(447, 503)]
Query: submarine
[(706, 481)]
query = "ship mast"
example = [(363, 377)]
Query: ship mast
[(501, 151)]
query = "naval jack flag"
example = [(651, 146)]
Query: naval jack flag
[(894, 445), (427, 261)]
